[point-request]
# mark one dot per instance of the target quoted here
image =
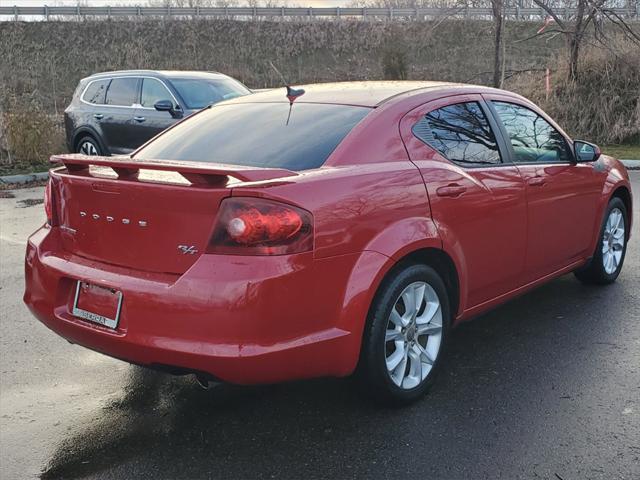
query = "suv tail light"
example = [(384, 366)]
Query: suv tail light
[(48, 203), (255, 226)]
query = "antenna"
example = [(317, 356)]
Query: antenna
[(292, 93), (278, 72)]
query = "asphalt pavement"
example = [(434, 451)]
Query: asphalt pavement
[(546, 386)]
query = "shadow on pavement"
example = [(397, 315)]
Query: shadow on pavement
[(503, 372)]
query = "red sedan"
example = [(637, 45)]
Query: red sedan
[(316, 232)]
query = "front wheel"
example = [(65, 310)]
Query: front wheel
[(606, 264), (405, 335)]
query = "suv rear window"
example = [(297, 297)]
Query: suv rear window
[(95, 92), (258, 134)]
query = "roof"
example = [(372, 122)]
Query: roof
[(366, 94), (161, 73)]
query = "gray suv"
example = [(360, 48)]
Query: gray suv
[(116, 112)]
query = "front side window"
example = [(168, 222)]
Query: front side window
[(297, 137), (95, 92), (199, 93), (122, 92), (533, 139), (461, 133), (153, 91)]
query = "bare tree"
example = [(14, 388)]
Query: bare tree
[(588, 13), (193, 3), (497, 7), (498, 11), (266, 3)]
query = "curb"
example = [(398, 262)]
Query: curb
[(631, 164), (24, 178)]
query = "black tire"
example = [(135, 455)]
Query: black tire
[(372, 370), (595, 272), (88, 141)]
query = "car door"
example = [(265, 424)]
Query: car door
[(562, 195), (148, 121), (116, 115), (477, 196)]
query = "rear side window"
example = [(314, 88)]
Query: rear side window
[(533, 138), (461, 133), (95, 92), (122, 92), (153, 91), (258, 134)]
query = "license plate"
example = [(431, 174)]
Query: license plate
[(97, 304)]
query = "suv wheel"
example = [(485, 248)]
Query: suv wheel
[(88, 146), (405, 335)]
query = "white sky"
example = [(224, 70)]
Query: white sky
[(51, 3)]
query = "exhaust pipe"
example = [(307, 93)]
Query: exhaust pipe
[(206, 382)]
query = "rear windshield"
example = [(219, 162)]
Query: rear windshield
[(198, 93), (258, 134)]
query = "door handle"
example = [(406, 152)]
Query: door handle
[(452, 190), (139, 119), (98, 116), (536, 181)]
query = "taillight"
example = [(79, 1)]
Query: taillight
[(48, 204), (255, 226)]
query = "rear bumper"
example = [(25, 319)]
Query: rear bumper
[(244, 320)]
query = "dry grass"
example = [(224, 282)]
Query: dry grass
[(630, 151), (31, 136), (42, 63), (603, 105)]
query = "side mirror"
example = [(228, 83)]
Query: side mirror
[(167, 106), (586, 152)]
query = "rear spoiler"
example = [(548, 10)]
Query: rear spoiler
[(195, 172)]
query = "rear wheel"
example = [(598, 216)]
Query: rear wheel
[(405, 335), (88, 146), (606, 264)]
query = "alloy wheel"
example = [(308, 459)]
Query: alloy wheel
[(613, 241), (414, 335), (88, 148)]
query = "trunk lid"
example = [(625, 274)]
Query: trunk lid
[(156, 216)]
